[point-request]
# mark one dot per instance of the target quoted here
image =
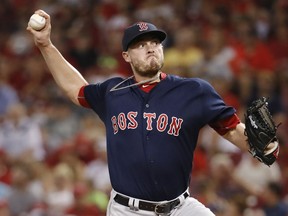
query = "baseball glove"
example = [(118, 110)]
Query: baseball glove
[(260, 130)]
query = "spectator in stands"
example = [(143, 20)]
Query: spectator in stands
[(278, 44), (253, 176), (20, 136), (61, 125), (8, 95), (20, 200), (251, 52), (184, 53), (216, 53), (236, 206), (97, 170), (272, 203), (267, 85), (4, 209), (81, 205), (59, 196)]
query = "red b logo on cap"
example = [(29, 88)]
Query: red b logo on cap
[(142, 26)]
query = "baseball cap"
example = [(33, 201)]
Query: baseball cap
[(139, 29)]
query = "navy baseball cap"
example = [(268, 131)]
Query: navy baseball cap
[(139, 29)]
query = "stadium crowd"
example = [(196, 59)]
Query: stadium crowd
[(52, 153)]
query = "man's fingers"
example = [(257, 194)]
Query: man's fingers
[(271, 147), (42, 13)]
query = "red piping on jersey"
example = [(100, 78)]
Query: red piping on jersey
[(81, 98), (224, 125)]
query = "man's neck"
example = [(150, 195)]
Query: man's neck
[(147, 80)]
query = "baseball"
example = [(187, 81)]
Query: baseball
[(37, 22)]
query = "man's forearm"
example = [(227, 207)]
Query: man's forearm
[(65, 75), (237, 137)]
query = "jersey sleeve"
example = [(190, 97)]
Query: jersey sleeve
[(215, 112), (94, 96), (222, 126), (81, 98)]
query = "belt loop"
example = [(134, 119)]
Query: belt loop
[(130, 203), (133, 204), (136, 204), (181, 199)]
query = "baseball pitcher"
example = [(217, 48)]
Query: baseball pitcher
[(152, 123)]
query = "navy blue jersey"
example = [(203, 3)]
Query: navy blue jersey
[(151, 136)]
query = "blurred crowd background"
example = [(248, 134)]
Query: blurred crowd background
[(53, 154)]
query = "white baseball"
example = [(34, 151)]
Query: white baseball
[(37, 22)]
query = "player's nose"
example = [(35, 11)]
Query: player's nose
[(150, 47)]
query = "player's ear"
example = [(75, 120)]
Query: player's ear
[(126, 56)]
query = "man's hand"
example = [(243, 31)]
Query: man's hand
[(42, 37)]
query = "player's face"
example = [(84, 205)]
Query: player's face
[(145, 56)]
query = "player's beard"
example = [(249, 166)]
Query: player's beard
[(147, 68)]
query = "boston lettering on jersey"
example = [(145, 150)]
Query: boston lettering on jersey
[(163, 123)]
